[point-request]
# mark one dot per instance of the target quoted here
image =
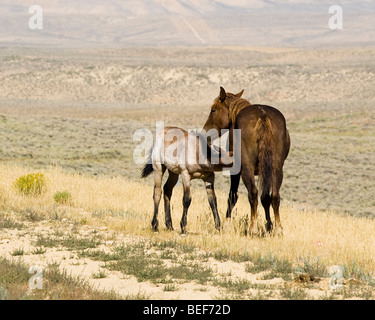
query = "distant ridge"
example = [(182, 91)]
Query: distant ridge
[(187, 23)]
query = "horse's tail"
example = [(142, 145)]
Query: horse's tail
[(265, 153), (148, 168)]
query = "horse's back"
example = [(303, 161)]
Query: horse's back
[(248, 118), (253, 112)]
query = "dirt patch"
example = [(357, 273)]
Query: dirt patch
[(141, 268)]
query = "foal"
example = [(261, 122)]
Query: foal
[(188, 155)]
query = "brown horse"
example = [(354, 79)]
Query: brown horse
[(188, 155), (265, 145)]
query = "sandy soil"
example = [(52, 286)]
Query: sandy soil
[(127, 285)]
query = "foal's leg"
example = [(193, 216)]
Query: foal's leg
[(158, 177), (186, 200), (233, 193), (168, 189), (210, 181), (248, 179)]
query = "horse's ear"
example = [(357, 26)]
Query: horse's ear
[(223, 94), (239, 94)]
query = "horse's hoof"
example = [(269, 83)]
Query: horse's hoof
[(269, 226), (183, 235), (278, 231), (254, 232), (155, 225), (226, 225)]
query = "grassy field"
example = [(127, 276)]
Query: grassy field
[(117, 217), (71, 114)]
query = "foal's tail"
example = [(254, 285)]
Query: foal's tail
[(265, 153), (148, 168)]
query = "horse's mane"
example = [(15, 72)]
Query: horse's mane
[(235, 106)]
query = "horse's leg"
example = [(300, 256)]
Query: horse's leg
[(168, 189), (210, 181), (266, 202), (158, 177), (248, 179), (233, 193), (186, 200), (276, 200)]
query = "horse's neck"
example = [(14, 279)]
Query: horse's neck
[(235, 107)]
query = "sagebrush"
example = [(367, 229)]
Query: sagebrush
[(31, 184)]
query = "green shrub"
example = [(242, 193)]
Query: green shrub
[(32, 184), (63, 197)]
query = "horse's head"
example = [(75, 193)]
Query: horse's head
[(219, 117)]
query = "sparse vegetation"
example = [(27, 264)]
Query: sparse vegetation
[(62, 197), (170, 287), (133, 260), (314, 267), (294, 294), (71, 242), (7, 223), (18, 252), (32, 184), (101, 274), (238, 286), (39, 250), (57, 285)]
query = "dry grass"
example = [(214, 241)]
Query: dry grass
[(126, 206)]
